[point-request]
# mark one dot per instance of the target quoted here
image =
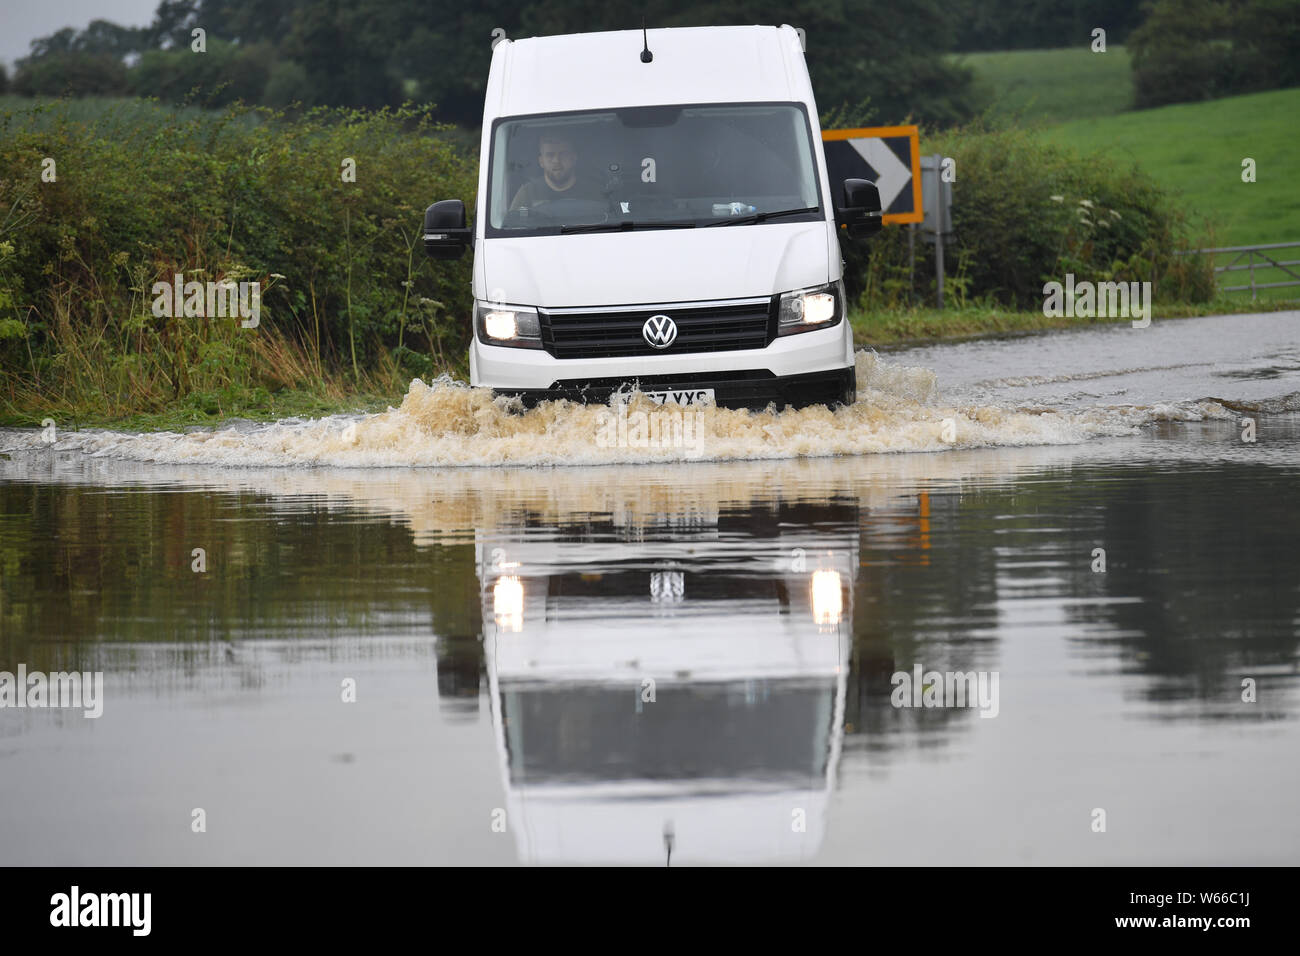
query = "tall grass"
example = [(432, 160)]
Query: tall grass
[(142, 192)]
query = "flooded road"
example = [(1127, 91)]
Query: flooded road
[(1040, 605)]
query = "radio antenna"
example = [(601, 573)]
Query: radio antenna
[(646, 55)]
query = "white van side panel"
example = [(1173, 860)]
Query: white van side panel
[(801, 88)]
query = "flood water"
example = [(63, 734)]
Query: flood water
[(696, 651)]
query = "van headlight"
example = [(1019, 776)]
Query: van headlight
[(804, 310), (827, 598), (515, 326)]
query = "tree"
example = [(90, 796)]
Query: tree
[(223, 74), (102, 36), (870, 50), (1179, 53), (81, 74), (1190, 50), (1038, 24), (1266, 45), (372, 53)]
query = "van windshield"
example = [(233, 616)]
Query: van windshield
[(652, 167)]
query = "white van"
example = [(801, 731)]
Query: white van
[(653, 208)]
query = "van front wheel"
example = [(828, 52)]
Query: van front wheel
[(849, 394)]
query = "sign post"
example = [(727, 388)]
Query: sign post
[(937, 223)]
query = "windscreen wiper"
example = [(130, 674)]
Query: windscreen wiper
[(761, 216), (629, 226)]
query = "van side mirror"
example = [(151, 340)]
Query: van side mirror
[(860, 215), (445, 233)]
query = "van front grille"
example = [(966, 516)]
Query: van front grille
[(701, 327)]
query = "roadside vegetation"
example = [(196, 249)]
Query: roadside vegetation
[(141, 193), (351, 310)]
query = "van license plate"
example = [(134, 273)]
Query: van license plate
[(685, 396)]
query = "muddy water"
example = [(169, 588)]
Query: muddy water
[(449, 424), (711, 657)]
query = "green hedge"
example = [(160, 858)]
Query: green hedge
[(143, 192)]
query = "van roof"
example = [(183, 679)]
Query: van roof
[(691, 65)]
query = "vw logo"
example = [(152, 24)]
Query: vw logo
[(659, 331)]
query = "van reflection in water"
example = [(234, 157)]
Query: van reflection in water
[(658, 694)]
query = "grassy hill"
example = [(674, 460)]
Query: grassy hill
[(1083, 99), (1053, 85), (1197, 149)]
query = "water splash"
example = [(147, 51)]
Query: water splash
[(899, 409)]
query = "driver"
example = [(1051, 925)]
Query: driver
[(560, 179)]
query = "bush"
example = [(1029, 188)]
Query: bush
[(144, 192), (1025, 213), (1266, 44), (288, 84), (224, 74), (83, 74), (1189, 50), (1181, 53)]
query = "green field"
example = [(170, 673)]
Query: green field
[(1053, 85), (1082, 99), (1196, 149)]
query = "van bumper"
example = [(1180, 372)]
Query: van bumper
[(811, 368), (750, 388)]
